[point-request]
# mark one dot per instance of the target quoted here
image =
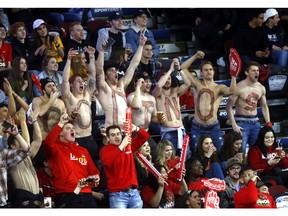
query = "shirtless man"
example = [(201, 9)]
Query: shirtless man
[(50, 106), (167, 94), (111, 90), (247, 94), (144, 107), (78, 101), (207, 98)]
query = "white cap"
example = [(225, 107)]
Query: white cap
[(269, 13), (37, 23)]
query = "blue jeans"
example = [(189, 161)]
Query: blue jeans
[(215, 133), (125, 199), (279, 57), (215, 171), (250, 133)]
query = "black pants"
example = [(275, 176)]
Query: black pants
[(72, 200)]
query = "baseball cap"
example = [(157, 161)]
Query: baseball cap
[(45, 81), (269, 13), (143, 75), (115, 16), (38, 22), (140, 13), (261, 183), (232, 161)]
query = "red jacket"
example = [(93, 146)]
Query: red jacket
[(258, 161), (68, 162), (119, 165), (250, 197)]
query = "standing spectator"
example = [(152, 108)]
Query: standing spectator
[(118, 163), (206, 153), (233, 168), (76, 94), (71, 165), (26, 192), (50, 70), (264, 156), (167, 93), (246, 97), (249, 196), (21, 81), (278, 41), (157, 194), (208, 96), (19, 42), (111, 89), (5, 50), (232, 147), (45, 44), (9, 158), (140, 19), (149, 64), (250, 40), (143, 107), (114, 31)]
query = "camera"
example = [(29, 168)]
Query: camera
[(89, 180)]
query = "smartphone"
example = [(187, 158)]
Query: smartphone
[(89, 180), (6, 125), (109, 43)]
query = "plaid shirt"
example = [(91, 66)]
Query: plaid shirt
[(9, 158)]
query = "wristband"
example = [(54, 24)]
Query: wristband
[(269, 124), (15, 134), (34, 121), (137, 129)]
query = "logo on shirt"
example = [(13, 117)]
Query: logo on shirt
[(82, 160)]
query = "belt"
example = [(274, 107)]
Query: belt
[(248, 121), (243, 116), (69, 194), (205, 127), (127, 190)]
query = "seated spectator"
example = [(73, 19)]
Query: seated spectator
[(233, 168), (114, 31), (250, 40), (206, 153), (5, 50), (264, 158), (232, 147), (158, 194), (21, 81), (132, 35), (191, 199), (76, 39), (20, 44), (50, 66), (278, 41), (45, 45), (249, 196)]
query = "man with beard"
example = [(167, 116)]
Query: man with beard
[(78, 101), (50, 106), (233, 168), (111, 90), (167, 94), (207, 98), (246, 97), (144, 107)]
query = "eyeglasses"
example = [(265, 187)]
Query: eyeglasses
[(234, 169)]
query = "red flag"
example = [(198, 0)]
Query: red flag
[(36, 82)]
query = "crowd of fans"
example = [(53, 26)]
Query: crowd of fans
[(76, 117)]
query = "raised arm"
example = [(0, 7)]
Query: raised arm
[(264, 107), (100, 73), (11, 102), (135, 99), (126, 79), (65, 86), (37, 135), (158, 88), (21, 115), (91, 82)]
